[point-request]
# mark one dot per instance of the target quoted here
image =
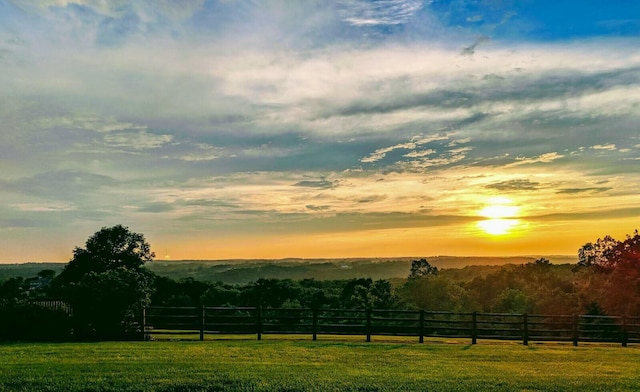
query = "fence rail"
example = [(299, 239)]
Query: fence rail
[(370, 322)]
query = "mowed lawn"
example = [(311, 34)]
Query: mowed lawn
[(295, 365)]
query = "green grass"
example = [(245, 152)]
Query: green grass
[(302, 365)]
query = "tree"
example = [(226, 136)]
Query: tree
[(421, 268), (614, 282), (12, 290), (512, 301), (108, 249), (436, 293), (107, 305), (596, 253), (106, 284)]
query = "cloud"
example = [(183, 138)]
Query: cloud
[(382, 152), (204, 152), (514, 185), (140, 140), (371, 199), (60, 185), (346, 222), (44, 207), (419, 154), (573, 191), (609, 214), (544, 158), (89, 123), (607, 147), (317, 208), (216, 111), (322, 184), (155, 207), (471, 50), (379, 12)]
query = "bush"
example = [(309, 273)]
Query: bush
[(28, 322)]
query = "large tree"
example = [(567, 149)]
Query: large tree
[(106, 283), (108, 249), (615, 281)]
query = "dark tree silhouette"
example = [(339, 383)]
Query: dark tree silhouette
[(106, 283), (108, 249), (421, 268), (614, 284), (596, 253)]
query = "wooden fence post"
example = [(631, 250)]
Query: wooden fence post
[(525, 330), (474, 327), (314, 324), (143, 327), (623, 332), (421, 326), (259, 321), (368, 313), (574, 337), (202, 322)]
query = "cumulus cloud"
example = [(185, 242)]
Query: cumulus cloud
[(607, 147)]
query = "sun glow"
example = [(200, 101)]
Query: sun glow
[(498, 226), (501, 213)]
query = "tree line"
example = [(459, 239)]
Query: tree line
[(107, 285)]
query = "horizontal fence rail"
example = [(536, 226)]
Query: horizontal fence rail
[(203, 320)]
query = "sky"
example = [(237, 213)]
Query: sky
[(271, 129)]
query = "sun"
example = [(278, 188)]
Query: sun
[(499, 211), (501, 214), (498, 226)]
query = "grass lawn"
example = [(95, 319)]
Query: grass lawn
[(302, 365)]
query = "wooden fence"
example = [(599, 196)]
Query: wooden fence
[(53, 304), (474, 326)]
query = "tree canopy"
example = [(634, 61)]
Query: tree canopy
[(108, 249), (422, 268), (106, 283)]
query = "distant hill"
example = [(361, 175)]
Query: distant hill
[(27, 270), (245, 271)]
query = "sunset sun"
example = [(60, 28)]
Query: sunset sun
[(501, 217)]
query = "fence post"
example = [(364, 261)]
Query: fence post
[(623, 332), (368, 312), (421, 326), (474, 327), (314, 324), (143, 327), (574, 333), (525, 330), (202, 322), (259, 321)]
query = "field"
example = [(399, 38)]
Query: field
[(329, 365)]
